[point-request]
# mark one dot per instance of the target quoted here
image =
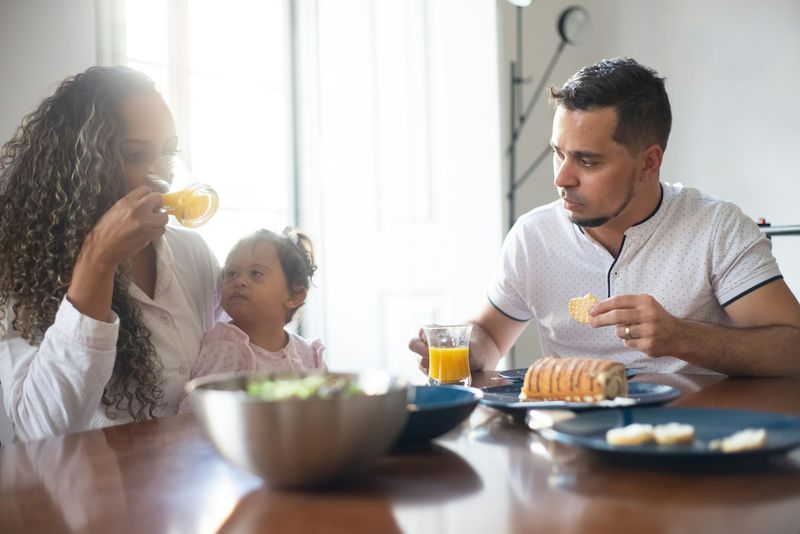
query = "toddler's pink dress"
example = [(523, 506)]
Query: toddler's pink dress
[(226, 348)]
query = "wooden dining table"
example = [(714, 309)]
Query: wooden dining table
[(492, 474)]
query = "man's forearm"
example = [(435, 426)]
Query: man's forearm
[(483, 351), (757, 351)]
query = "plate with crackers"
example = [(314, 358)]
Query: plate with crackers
[(679, 433)]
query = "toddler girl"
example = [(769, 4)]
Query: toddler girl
[(265, 280)]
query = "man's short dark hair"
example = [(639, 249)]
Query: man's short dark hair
[(635, 91)]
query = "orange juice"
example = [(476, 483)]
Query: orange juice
[(192, 206), (448, 364), (195, 206), (173, 199)]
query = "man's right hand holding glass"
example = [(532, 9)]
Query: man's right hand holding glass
[(493, 335)]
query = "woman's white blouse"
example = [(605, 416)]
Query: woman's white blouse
[(57, 386)]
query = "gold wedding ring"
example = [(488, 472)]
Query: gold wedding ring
[(628, 332)]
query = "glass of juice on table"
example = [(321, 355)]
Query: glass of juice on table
[(192, 205), (448, 353)]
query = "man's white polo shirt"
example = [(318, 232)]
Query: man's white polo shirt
[(694, 254)]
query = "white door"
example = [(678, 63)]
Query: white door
[(400, 129)]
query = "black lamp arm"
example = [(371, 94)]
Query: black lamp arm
[(770, 231), (530, 170), (536, 93), (542, 82)]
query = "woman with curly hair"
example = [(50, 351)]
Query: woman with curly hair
[(102, 306)]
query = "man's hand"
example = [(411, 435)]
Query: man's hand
[(640, 321), (420, 346), (493, 334), (766, 324)]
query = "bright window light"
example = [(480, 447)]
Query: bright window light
[(225, 71)]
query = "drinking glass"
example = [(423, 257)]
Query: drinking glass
[(192, 205), (448, 351)]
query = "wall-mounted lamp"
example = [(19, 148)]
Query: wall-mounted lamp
[(573, 27), (768, 230)]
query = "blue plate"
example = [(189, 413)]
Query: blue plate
[(433, 410), (588, 430), (518, 375), (506, 398)]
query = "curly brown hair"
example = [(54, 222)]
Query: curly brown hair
[(59, 174)]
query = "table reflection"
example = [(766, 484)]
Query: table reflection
[(61, 476), (426, 476), (492, 474), (547, 478), (197, 488)]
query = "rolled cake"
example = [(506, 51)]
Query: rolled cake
[(574, 379)]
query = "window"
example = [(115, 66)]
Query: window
[(225, 70), (398, 148), (402, 189)]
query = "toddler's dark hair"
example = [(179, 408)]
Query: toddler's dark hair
[(295, 253)]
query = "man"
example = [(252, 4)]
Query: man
[(687, 283)]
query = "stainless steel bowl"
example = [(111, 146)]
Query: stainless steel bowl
[(300, 442)]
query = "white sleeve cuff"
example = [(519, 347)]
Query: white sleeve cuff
[(77, 329)]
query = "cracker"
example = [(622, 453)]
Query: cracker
[(744, 440), (672, 433), (634, 434), (579, 307), (639, 434)]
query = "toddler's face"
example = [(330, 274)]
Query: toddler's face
[(254, 288)]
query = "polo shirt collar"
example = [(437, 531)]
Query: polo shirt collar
[(643, 228)]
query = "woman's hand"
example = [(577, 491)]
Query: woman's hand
[(125, 229)]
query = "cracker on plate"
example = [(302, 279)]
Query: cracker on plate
[(744, 440)]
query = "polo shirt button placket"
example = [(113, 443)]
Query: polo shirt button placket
[(615, 281)]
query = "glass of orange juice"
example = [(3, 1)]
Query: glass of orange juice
[(192, 205), (448, 351)]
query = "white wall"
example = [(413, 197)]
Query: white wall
[(733, 76), (41, 43)]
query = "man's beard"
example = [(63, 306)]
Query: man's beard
[(599, 221)]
